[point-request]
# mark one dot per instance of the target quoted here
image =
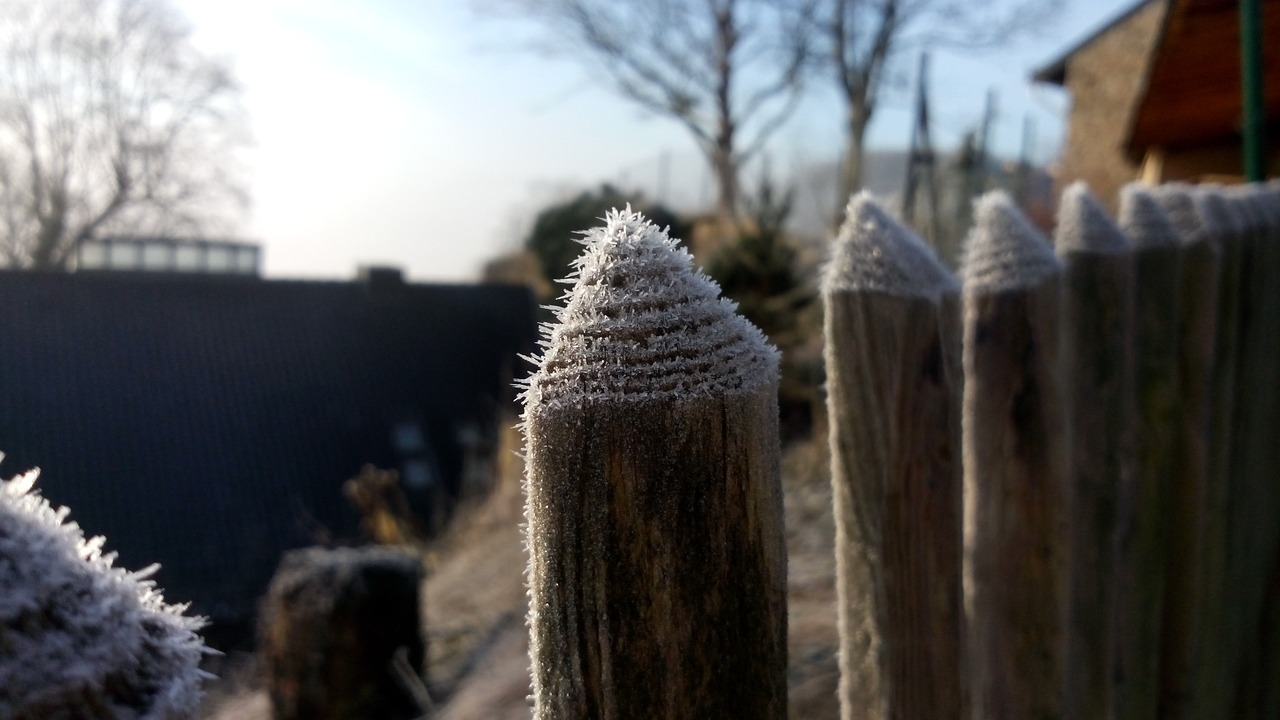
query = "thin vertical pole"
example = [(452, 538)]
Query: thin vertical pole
[(1251, 84)]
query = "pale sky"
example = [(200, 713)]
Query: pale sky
[(421, 134)]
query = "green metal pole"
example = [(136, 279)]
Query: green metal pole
[(1251, 85)]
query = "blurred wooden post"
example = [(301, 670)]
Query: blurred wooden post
[(1164, 504), (1098, 375), (893, 403), (654, 502), (1015, 498), (333, 624), (1267, 667), (1254, 514), (1208, 695)]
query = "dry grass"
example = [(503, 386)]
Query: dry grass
[(475, 602)]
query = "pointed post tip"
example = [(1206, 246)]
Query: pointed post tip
[(1004, 251)]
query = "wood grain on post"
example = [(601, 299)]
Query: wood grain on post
[(1208, 695), (1165, 501), (654, 502), (1098, 375), (893, 405), (1015, 496)]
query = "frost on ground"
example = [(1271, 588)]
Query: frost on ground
[(642, 323), (79, 637)]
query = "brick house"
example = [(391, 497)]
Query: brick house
[(1156, 96)]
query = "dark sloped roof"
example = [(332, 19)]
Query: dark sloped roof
[(208, 423), (1193, 89)]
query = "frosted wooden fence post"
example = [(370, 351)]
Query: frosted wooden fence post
[(1262, 691), (1098, 374), (654, 502), (1015, 499), (1252, 522), (1164, 502), (1208, 697), (893, 404)]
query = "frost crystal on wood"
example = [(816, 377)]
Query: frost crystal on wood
[(79, 637), (641, 323)]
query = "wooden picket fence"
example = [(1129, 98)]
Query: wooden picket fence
[(1056, 478)]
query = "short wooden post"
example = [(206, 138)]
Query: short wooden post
[(1015, 497), (332, 625), (654, 502), (1165, 502), (893, 403), (1209, 696), (1098, 373)]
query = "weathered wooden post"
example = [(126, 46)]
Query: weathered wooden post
[(1170, 472), (1209, 251), (1015, 496), (330, 628), (1265, 700), (1098, 373), (893, 404), (1252, 507), (654, 502)]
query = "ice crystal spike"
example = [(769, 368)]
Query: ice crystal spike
[(873, 252), (78, 633), (642, 323), (1144, 220), (1004, 251), (1084, 227)]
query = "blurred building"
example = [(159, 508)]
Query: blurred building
[(208, 421), (1156, 95)]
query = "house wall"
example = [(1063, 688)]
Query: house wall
[(1217, 162), (1105, 80)]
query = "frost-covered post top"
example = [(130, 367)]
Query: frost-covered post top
[(78, 636), (641, 323), (1004, 251), (874, 253), (1144, 220), (1084, 227)]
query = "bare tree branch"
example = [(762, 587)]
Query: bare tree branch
[(863, 37), (729, 71), (110, 122)]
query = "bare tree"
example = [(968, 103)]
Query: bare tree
[(862, 38), (110, 122), (730, 71)]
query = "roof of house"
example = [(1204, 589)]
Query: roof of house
[(1193, 84), (208, 423)]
